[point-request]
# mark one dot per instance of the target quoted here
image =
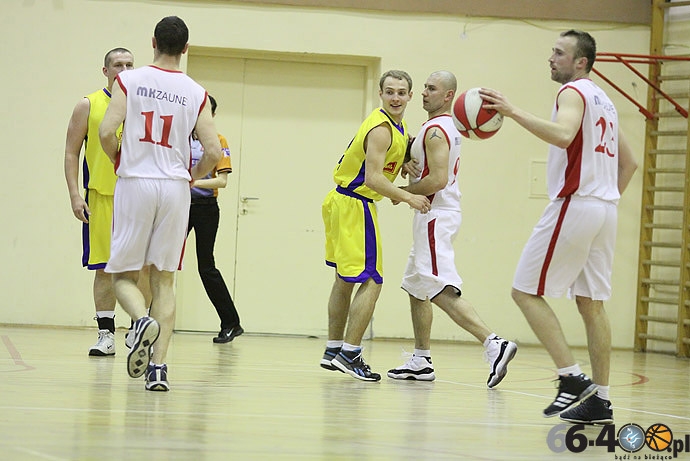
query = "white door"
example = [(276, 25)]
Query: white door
[(294, 119)]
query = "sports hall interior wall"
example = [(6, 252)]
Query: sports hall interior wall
[(55, 49)]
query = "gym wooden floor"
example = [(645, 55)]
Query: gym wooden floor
[(265, 397)]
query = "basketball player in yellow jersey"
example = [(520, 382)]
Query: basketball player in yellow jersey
[(95, 209), (365, 174)]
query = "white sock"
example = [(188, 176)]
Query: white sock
[(571, 370), (603, 392), (422, 353), (334, 344), (351, 347), (105, 314), (490, 338)]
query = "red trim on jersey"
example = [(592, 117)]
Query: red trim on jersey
[(119, 82), (173, 71), (573, 169), (552, 246), (430, 228), (203, 104)]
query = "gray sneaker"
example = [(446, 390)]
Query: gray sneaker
[(146, 331), (157, 378)]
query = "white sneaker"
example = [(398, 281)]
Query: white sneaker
[(105, 344), (129, 338), (416, 368), (498, 353)]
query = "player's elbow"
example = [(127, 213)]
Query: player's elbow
[(214, 154), (438, 183), (562, 142), (370, 181)]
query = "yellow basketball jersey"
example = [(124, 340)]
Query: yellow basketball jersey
[(349, 173), (99, 172)]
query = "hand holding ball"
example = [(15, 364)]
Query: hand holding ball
[(472, 119)]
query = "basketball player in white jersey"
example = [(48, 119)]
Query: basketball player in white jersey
[(570, 250), (431, 276), (160, 107)]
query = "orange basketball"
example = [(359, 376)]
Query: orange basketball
[(659, 437)]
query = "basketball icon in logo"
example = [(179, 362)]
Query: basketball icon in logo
[(659, 437)]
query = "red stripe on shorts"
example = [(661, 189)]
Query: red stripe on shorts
[(431, 226), (552, 246)]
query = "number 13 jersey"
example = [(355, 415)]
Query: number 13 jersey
[(162, 110), (588, 167)]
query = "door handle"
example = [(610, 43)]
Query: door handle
[(243, 209)]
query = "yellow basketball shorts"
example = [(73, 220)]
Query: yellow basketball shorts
[(96, 233), (353, 245)]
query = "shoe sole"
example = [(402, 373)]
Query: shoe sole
[(161, 387), (587, 393), (99, 353), (508, 355), (342, 367), (593, 422), (326, 364), (411, 376), (140, 354)]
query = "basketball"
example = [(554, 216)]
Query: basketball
[(659, 437), (472, 119)]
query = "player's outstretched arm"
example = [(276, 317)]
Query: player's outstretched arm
[(560, 132)]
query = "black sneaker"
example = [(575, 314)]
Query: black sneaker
[(594, 410), (228, 334), (328, 356), (352, 363), (571, 389)]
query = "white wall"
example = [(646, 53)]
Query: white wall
[(53, 53)]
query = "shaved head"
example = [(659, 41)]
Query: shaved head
[(447, 79)]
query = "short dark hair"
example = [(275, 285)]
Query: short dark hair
[(399, 74), (171, 35), (213, 104), (586, 46), (108, 55)]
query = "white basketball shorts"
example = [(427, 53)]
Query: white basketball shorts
[(431, 264), (149, 224), (570, 250)]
